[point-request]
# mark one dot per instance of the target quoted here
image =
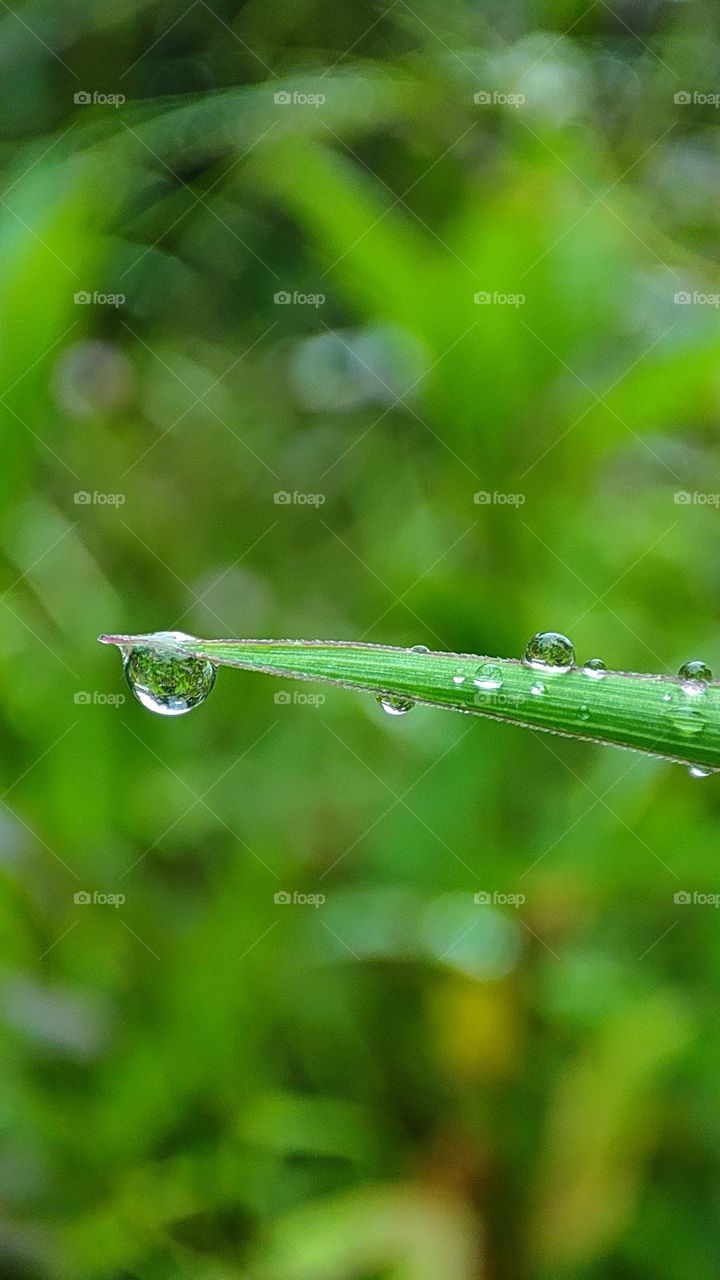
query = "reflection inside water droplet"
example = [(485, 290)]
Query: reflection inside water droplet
[(166, 682), (695, 670), (419, 648), (549, 651), (488, 676), (596, 668), (395, 706)]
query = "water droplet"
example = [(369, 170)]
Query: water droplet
[(166, 682), (695, 676), (583, 712), (596, 668), (549, 651), (419, 648), (458, 679), (696, 771), (537, 689), (695, 671), (395, 706), (667, 697), (488, 676)]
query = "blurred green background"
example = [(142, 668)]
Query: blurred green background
[(246, 389)]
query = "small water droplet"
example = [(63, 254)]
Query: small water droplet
[(583, 712), (695, 671), (166, 682), (667, 697), (458, 679), (537, 689), (488, 676), (419, 648), (596, 668), (395, 706), (696, 771), (549, 651)]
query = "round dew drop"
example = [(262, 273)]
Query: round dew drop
[(537, 689), (596, 668), (488, 676), (550, 651), (696, 674), (167, 683), (395, 706)]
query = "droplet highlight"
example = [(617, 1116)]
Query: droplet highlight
[(537, 689), (395, 706), (550, 651), (696, 771), (419, 648), (166, 682)]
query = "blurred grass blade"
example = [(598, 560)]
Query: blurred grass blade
[(658, 714)]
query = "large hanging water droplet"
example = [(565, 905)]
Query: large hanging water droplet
[(166, 682), (395, 706), (550, 651), (697, 676), (696, 771), (488, 676), (596, 668)]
